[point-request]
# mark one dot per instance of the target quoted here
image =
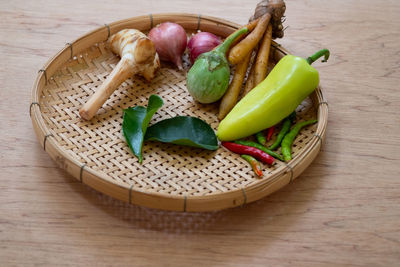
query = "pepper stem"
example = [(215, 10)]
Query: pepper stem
[(320, 53), (228, 41)]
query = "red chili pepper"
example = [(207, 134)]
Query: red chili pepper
[(248, 150), (270, 132)]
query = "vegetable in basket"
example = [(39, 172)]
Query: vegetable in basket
[(289, 138), (255, 165), (170, 40), (200, 43), (259, 146), (288, 84), (248, 150), (208, 78), (138, 56), (287, 122)]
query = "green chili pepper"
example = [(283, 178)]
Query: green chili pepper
[(261, 147), (287, 122), (282, 91), (289, 138), (255, 165), (261, 138)]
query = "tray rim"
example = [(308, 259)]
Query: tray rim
[(105, 184)]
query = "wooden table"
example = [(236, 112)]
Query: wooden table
[(343, 210)]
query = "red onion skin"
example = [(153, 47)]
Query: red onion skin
[(170, 41), (202, 42)]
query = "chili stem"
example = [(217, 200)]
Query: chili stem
[(320, 53)]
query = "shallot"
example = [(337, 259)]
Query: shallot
[(202, 42), (170, 40)]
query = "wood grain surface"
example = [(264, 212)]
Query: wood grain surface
[(344, 210)]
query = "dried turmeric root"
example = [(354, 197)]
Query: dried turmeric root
[(230, 97), (244, 47), (261, 64)]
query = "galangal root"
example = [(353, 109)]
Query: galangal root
[(138, 56)]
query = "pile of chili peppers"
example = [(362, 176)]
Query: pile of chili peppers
[(254, 152)]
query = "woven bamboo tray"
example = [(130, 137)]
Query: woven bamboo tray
[(171, 177)]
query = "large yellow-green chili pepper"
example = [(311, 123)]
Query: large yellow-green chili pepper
[(288, 84)]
